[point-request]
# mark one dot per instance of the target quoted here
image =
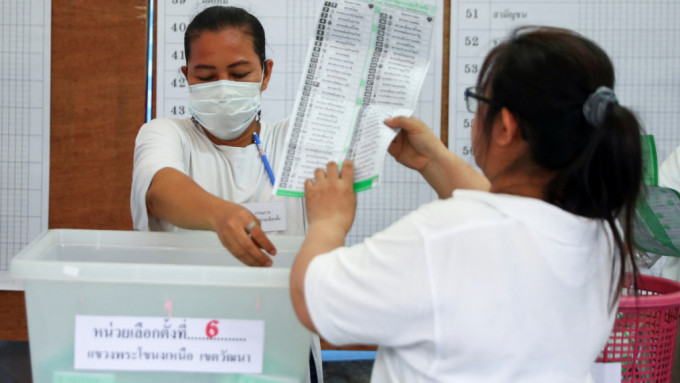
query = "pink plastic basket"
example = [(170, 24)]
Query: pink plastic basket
[(643, 338)]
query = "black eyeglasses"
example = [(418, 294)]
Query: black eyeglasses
[(472, 99)]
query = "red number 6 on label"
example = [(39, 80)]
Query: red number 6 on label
[(211, 329)]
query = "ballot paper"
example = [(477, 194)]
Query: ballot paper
[(366, 62)]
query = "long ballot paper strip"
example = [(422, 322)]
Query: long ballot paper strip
[(366, 62)]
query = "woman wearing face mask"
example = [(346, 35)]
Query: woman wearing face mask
[(197, 173)]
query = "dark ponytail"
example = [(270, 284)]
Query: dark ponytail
[(545, 76), (604, 180)]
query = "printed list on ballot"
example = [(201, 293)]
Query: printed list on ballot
[(366, 62)]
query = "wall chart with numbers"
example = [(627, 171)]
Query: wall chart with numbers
[(641, 37), (24, 126)]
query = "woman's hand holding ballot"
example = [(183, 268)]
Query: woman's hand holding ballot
[(330, 197), (416, 147)]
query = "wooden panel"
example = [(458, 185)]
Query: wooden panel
[(98, 105), (13, 316), (444, 133)]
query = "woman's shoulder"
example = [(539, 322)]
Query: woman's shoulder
[(168, 123), (273, 134), (531, 214), (472, 207), (464, 206), (166, 128), (275, 127)]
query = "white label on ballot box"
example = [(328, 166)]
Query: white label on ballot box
[(272, 215), (168, 344)]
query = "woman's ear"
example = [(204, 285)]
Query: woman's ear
[(508, 131), (268, 65)]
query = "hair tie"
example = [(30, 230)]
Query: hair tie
[(596, 105)]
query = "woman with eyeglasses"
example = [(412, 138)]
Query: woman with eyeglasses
[(514, 274)]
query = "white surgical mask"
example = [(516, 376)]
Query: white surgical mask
[(225, 108)]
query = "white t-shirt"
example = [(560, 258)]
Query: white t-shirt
[(232, 173), (480, 287)]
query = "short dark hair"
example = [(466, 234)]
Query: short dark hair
[(544, 76), (217, 18)]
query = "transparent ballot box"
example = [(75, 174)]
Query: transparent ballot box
[(125, 306)]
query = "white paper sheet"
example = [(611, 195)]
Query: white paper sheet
[(641, 38), (288, 25), (168, 344), (24, 127), (366, 62)]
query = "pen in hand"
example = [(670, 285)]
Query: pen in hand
[(263, 156)]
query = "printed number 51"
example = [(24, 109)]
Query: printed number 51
[(211, 329)]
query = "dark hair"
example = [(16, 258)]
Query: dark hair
[(544, 76), (217, 18)]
